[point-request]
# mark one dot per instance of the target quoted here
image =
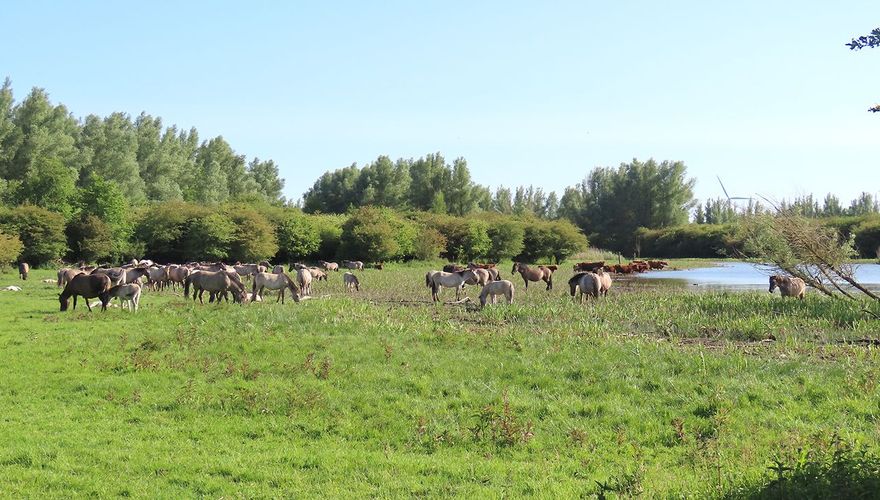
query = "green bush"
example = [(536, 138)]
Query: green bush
[(162, 229), (209, 238), (429, 244), (298, 237), (329, 228), (551, 240), (506, 238), (688, 241), (376, 234), (90, 239), (10, 249), (39, 230), (867, 238), (254, 238)]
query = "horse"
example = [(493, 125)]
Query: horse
[(353, 264), (604, 281), (274, 281), (495, 288), (304, 278), (88, 286), (65, 275), (453, 268), (441, 279), (494, 273), (788, 286), (317, 274), (588, 283), (278, 269), (134, 274), (328, 266), (481, 277), (157, 276), (116, 274), (351, 282), (23, 269), (248, 270), (128, 294), (215, 282), (541, 273), (178, 274), (588, 266)]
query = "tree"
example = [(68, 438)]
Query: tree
[(113, 143), (428, 244), (871, 41), (162, 229), (39, 230), (370, 233), (298, 237), (10, 249), (615, 202), (802, 247), (265, 174), (105, 200), (209, 237), (48, 184), (90, 239)]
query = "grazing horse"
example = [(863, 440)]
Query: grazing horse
[(304, 278), (588, 266), (351, 282), (588, 283), (788, 286), (441, 279), (353, 264), (495, 288), (541, 273), (88, 286), (23, 269), (215, 282), (128, 294), (274, 281), (318, 274), (328, 266)]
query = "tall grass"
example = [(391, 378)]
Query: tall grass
[(382, 393)]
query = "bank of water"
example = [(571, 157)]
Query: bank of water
[(738, 276)]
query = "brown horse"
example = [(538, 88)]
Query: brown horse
[(788, 287), (540, 273), (23, 269), (88, 286)]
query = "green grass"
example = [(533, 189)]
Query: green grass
[(381, 393)]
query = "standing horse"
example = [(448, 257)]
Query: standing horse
[(788, 287), (589, 284), (128, 294), (88, 286), (441, 279), (23, 269), (215, 282), (353, 264), (495, 288), (274, 281), (604, 281), (328, 266), (541, 273), (304, 278)]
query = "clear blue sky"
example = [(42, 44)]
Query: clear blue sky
[(764, 94)]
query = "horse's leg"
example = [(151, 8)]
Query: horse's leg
[(87, 302), (280, 296)]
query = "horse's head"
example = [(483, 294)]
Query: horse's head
[(515, 267), (773, 283)]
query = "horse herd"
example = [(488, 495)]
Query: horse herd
[(218, 279), (591, 280)]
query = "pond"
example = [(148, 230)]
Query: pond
[(740, 276)]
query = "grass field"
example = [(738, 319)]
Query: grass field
[(651, 391)]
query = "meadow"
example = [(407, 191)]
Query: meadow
[(652, 391)]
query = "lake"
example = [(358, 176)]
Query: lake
[(740, 276)]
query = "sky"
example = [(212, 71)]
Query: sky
[(764, 95)]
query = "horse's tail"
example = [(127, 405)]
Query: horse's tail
[(60, 275), (510, 291)]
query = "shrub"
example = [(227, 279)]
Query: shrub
[(506, 238), (298, 237), (556, 240), (209, 238), (39, 230), (376, 234), (466, 239), (429, 243), (10, 249), (687, 241), (867, 238), (162, 230), (329, 228), (254, 237), (90, 239)]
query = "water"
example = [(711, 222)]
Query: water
[(742, 276)]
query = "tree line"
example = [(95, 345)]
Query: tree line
[(49, 158)]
